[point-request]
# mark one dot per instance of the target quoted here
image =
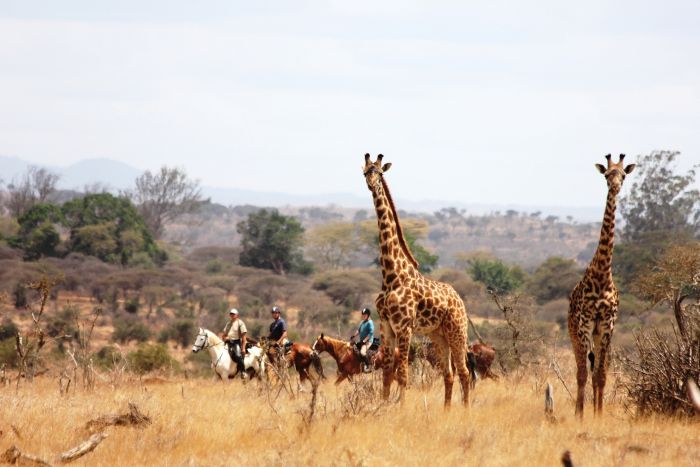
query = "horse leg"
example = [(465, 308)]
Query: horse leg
[(341, 378)]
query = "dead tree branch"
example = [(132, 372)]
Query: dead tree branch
[(133, 418), (86, 446)]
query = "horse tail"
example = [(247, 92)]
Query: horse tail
[(471, 364), (316, 361)]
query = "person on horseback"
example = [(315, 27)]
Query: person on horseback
[(365, 335), (278, 328), (235, 336)]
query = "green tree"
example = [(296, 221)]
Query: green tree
[(37, 234), (554, 278), (496, 275), (661, 200), (273, 241), (426, 260), (109, 228)]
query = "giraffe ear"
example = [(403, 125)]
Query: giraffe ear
[(386, 167), (601, 168), (630, 168)]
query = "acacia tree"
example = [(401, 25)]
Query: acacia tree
[(34, 187), (332, 245), (271, 240), (660, 199), (163, 196)]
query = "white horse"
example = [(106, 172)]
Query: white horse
[(221, 361)]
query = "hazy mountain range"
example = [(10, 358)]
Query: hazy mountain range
[(115, 176)]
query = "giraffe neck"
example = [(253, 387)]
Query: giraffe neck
[(393, 250), (602, 260)]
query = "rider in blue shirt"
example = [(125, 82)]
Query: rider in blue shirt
[(365, 334)]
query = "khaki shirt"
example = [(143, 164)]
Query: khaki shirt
[(235, 329)]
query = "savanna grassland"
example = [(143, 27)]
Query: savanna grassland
[(199, 421)]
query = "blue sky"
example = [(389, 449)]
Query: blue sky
[(478, 102)]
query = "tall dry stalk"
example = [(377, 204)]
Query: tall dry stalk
[(28, 349)]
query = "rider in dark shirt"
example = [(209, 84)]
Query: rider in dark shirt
[(278, 328)]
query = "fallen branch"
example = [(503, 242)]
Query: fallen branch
[(134, 418), (82, 449), (16, 457)]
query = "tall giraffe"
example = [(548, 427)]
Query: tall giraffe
[(410, 302), (594, 301)]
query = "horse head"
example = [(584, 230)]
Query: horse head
[(201, 342), (319, 344)]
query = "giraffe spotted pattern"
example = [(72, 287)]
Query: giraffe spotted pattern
[(410, 302), (594, 301)]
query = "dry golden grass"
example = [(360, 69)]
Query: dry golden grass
[(202, 422)]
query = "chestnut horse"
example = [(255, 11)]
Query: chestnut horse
[(349, 363), (298, 354)]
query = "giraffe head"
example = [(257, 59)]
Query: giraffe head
[(373, 172), (615, 172)]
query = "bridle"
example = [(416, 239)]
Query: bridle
[(206, 344)]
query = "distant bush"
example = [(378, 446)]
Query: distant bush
[(151, 357), (181, 331), (132, 305), (129, 329), (8, 354), (7, 329), (107, 357), (352, 288)]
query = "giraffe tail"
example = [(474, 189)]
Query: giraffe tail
[(591, 358)]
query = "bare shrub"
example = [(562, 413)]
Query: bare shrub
[(660, 370)]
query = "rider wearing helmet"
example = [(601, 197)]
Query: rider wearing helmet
[(278, 328), (366, 335), (235, 336)]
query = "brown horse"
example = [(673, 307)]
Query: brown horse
[(301, 356), (348, 361)]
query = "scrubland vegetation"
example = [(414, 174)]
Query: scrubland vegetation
[(101, 296)]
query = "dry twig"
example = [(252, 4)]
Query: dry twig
[(16, 457)]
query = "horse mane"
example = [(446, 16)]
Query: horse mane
[(399, 230), (216, 339)]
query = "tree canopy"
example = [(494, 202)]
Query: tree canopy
[(110, 228), (271, 240), (661, 200), (496, 275)]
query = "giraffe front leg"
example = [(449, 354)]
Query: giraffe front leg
[(600, 372), (388, 341), (404, 342), (581, 348)]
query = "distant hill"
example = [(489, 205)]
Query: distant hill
[(115, 176)]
